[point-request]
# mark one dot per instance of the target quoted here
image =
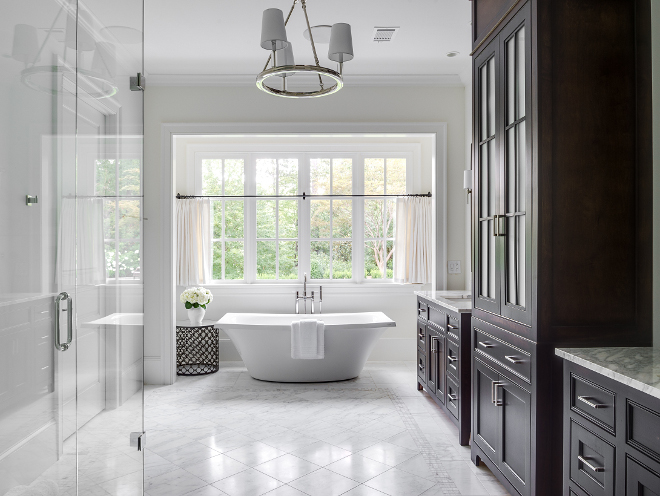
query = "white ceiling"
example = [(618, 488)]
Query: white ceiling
[(221, 38)]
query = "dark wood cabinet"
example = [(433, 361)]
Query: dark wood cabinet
[(610, 436), (561, 160), (444, 354)]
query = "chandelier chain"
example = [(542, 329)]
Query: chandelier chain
[(285, 23), (311, 38)]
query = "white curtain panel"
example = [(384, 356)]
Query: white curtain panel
[(87, 266), (412, 244), (194, 245)]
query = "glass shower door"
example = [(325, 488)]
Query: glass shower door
[(70, 248)]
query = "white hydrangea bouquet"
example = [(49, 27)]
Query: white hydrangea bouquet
[(195, 300)]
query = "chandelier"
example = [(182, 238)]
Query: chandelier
[(274, 39)]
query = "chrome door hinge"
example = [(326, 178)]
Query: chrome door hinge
[(138, 440), (138, 82)]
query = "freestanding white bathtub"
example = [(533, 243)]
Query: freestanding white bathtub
[(264, 343)]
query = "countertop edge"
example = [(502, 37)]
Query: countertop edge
[(617, 376), (443, 303)]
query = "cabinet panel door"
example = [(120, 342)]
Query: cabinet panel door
[(487, 180), (515, 77), (515, 431), (485, 429)]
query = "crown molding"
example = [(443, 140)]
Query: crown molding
[(228, 80)]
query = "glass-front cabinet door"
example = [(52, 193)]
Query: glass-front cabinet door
[(516, 160), (71, 333), (487, 188), (502, 211)]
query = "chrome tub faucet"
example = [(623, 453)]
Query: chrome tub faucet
[(304, 297)]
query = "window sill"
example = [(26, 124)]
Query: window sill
[(329, 287)]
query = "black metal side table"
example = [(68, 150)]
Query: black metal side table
[(197, 348)]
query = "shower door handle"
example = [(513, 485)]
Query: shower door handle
[(69, 321)]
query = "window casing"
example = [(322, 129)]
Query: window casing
[(329, 240)]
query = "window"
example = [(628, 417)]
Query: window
[(121, 216), (260, 238), (331, 219), (226, 177), (277, 219)]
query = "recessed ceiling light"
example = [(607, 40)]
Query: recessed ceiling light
[(452, 54)]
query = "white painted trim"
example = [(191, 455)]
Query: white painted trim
[(228, 80), (166, 287)]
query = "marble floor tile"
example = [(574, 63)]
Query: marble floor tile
[(289, 441), (287, 468), (173, 483), (206, 491), (247, 483), (388, 453), (354, 442), (188, 454), (286, 490), (226, 441), (417, 466), (324, 482), (254, 453), (321, 453), (396, 482), (363, 490), (358, 468), (215, 468)]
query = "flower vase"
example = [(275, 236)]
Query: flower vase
[(196, 315)]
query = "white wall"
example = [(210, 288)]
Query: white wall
[(417, 104)]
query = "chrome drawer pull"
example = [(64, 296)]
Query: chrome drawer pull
[(452, 397), (513, 359), (493, 384), (589, 465), (496, 401), (434, 340), (421, 367), (451, 358), (585, 399), (486, 345), (452, 326)]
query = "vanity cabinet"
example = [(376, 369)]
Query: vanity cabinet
[(562, 206), (443, 356), (611, 436)]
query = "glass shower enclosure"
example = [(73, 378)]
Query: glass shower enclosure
[(71, 298)]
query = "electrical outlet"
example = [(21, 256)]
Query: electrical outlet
[(454, 266)]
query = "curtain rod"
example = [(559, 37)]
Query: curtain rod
[(303, 196)]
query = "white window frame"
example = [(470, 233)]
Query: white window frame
[(357, 152)]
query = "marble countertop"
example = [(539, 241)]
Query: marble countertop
[(638, 368), (458, 301)]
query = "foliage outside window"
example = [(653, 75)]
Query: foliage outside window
[(226, 177), (260, 238), (121, 216)]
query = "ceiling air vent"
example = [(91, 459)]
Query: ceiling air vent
[(385, 34)]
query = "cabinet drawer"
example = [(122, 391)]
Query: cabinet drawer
[(641, 480), (453, 397), (421, 336), (421, 368), (452, 358), (437, 317), (514, 359), (422, 310), (453, 330), (643, 429), (592, 462), (593, 402)]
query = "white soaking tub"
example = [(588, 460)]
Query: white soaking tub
[(264, 343)]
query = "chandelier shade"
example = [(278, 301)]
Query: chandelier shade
[(273, 32), (341, 43), (26, 46)]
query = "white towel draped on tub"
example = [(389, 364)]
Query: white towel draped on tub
[(307, 339)]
